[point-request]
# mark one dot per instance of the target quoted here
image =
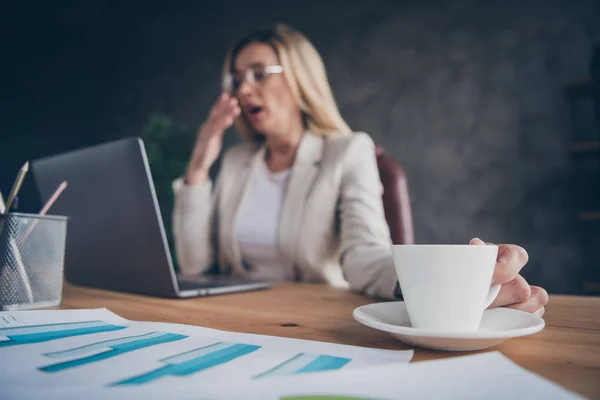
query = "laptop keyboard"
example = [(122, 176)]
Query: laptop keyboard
[(191, 284)]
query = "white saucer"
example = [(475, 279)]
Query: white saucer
[(497, 325)]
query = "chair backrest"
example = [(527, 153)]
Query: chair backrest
[(396, 199)]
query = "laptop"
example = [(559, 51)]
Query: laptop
[(115, 236)]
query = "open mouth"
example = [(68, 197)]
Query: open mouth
[(254, 110)]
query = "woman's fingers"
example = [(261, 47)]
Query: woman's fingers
[(515, 291), (540, 312), (232, 112), (225, 111), (519, 295), (217, 107), (209, 140), (535, 303), (511, 259), (477, 242)]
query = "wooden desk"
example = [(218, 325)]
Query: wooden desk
[(567, 351)]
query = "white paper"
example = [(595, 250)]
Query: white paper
[(97, 352), (481, 376), (370, 375)]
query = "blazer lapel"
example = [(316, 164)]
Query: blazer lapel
[(235, 203), (302, 177)]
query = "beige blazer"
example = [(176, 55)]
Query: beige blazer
[(332, 226)]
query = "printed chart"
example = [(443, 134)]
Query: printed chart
[(194, 361), (108, 353), (43, 333), (103, 350), (94, 354), (302, 363), (187, 363)]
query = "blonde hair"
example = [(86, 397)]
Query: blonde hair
[(305, 73)]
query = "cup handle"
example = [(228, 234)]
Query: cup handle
[(494, 290)]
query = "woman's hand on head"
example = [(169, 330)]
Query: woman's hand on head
[(210, 138), (515, 291)]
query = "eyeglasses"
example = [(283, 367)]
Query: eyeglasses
[(254, 74)]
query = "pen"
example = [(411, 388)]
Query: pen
[(17, 186), (16, 254)]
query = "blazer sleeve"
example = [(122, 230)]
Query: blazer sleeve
[(366, 254), (194, 225)]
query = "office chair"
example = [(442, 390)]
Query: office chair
[(396, 199)]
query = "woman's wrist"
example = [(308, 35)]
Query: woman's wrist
[(196, 177)]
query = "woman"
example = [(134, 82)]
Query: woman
[(301, 200)]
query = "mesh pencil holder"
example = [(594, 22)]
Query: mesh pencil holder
[(32, 254)]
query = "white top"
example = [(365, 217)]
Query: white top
[(257, 228)]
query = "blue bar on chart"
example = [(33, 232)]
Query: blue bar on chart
[(193, 361), (107, 349), (43, 333), (303, 363)]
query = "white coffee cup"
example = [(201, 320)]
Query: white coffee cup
[(446, 287)]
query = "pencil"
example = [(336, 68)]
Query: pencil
[(53, 198), (17, 186), (45, 209)]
